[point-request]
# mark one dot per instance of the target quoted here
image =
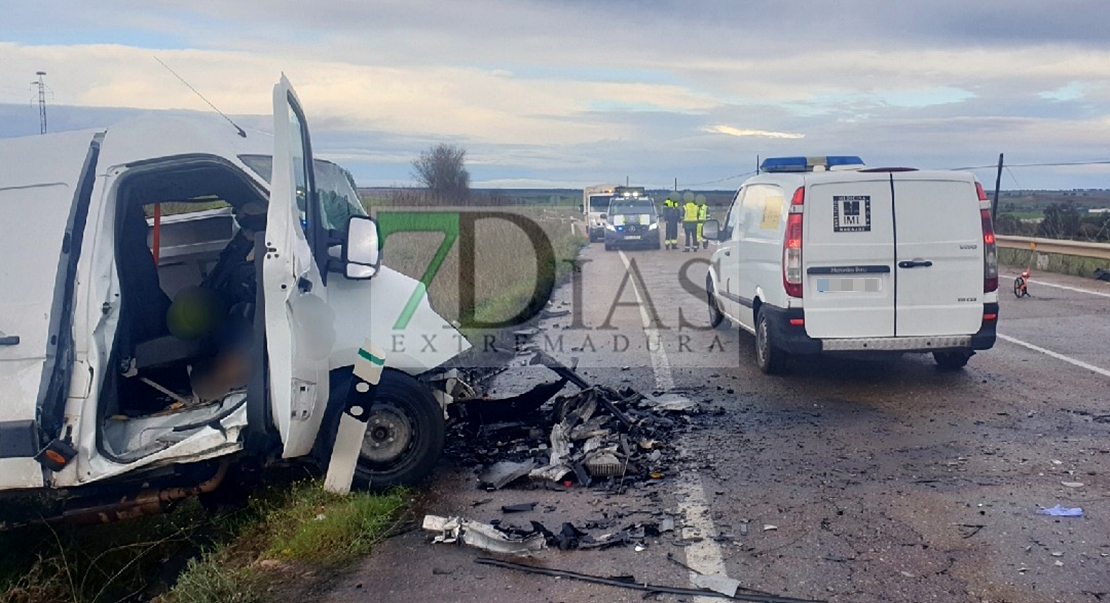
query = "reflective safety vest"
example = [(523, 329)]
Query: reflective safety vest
[(690, 212), (703, 212)]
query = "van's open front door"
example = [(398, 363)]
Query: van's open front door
[(300, 331), (848, 258)]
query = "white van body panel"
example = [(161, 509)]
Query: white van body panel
[(938, 221), (426, 342), (848, 276), (49, 168), (300, 326), (891, 260)]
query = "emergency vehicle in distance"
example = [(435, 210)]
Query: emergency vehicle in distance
[(822, 255), (595, 202), (632, 219)]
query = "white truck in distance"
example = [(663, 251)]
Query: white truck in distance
[(138, 364), (822, 255), (595, 201)]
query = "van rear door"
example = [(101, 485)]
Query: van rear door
[(848, 256), (43, 182), (939, 254)]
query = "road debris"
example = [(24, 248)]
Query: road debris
[(597, 437), (1060, 511), (485, 536), (630, 582), (519, 508), (503, 473)]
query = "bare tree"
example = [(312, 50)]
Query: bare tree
[(441, 169)]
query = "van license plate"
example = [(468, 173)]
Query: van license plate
[(632, 238), (849, 285)]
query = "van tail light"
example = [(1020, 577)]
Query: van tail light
[(982, 193), (990, 257), (792, 248)]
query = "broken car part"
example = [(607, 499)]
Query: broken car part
[(628, 582)]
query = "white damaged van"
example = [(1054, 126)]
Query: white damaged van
[(822, 255), (146, 347)]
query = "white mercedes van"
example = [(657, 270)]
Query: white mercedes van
[(823, 255), (143, 354)]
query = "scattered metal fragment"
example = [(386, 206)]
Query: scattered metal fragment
[(605, 465), (718, 584), (505, 472), (631, 583), (671, 402), (598, 436), (519, 508), (483, 535)]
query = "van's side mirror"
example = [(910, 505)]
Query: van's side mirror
[(361, 253), (603, 216), (710, 229)]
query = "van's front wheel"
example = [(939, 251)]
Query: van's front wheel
[(770, 359), (405, 433)]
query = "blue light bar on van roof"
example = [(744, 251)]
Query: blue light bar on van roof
[(806, 164)]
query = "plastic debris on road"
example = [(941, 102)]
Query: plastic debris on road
[(1060, 511), (484, 536), (599, 436)]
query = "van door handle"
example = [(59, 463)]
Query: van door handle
[(9, 339), (915, 264)]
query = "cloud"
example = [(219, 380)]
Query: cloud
[(584, 91), (731, 131)]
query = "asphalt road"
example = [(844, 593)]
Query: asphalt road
[(844, 480)]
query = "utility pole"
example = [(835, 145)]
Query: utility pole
[(42, 101), (997, 185)]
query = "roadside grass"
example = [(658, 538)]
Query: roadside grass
[(193, 556)]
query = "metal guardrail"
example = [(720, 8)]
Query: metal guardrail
[(1078, 248)]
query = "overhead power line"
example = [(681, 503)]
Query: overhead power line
[(1047, 164)]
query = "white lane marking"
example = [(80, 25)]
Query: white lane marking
[(660, 365), (1035, 283), (704, 557), (1056, 355)]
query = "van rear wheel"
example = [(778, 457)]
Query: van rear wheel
[(952, 361), (770, 359)]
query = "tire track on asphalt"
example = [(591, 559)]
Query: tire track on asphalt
[(705, 556)]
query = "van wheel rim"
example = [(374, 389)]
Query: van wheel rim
[(389, 432)]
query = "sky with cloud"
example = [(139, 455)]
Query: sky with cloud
[(572, 92)]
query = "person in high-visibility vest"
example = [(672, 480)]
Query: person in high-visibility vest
[(690, 222), (703, 215), (671, 216)]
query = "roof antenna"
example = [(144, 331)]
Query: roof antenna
[(237, 128)]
